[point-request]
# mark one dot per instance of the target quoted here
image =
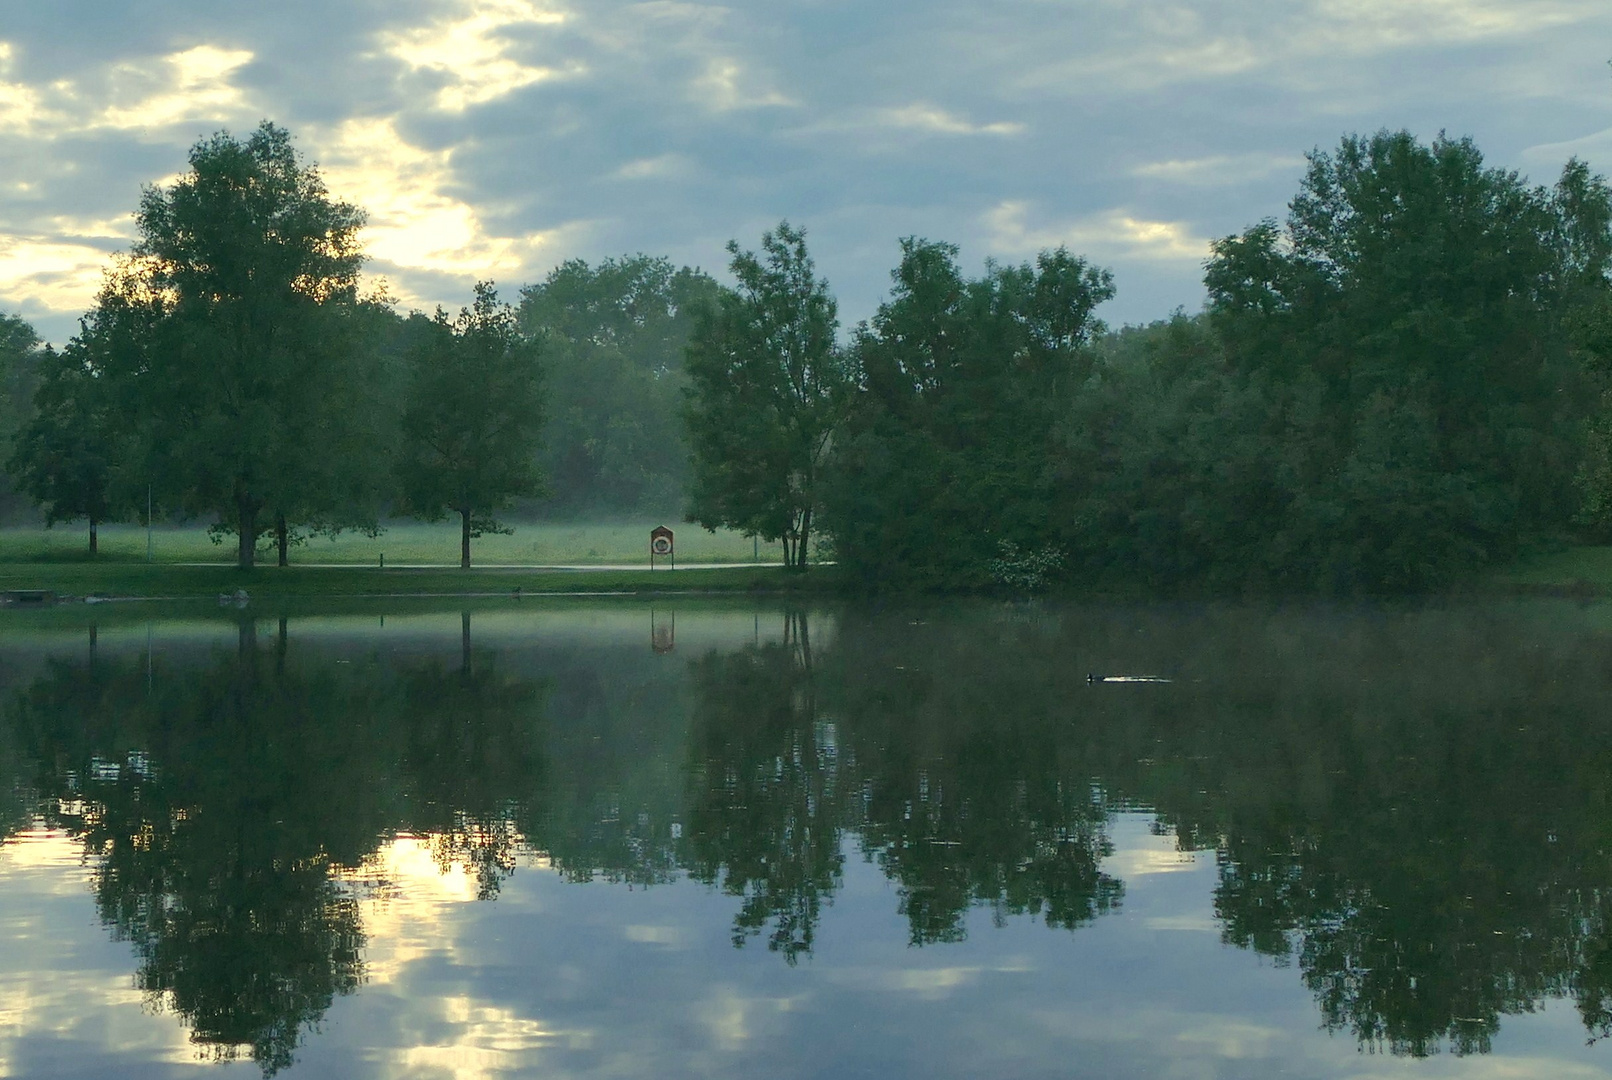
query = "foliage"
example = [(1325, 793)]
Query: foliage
[(472, 419), (612, 338), (1024, 571), (66, 455), (20, 355), (965, 383), (1407, 342), (768, 387), (1386, 394), (231, 347)]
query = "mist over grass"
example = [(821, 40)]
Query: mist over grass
[(403, 544)]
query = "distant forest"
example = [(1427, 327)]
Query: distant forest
[(1404, 381)]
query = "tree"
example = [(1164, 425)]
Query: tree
[(65, 456), (768, 387), (944, 468), (344, 484), (245, 270), (472, 420), (20, 354), (1409, 330), (612, 338)]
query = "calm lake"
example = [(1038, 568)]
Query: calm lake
[(600, 839)]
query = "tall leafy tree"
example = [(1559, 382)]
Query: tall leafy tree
[(245, 269), (768, 388), (1408, 330), (66, 455), (472, 420), (345, 485), (946, 464), (20, 355), (613, 336)]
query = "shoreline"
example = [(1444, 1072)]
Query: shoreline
[(120, 583)]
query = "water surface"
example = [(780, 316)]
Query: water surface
[(708, 840)]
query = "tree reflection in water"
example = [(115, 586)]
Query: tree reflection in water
[(767, 809), (1409, 808), (220, 803)]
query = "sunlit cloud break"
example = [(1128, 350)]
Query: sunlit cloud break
[(471, 51), (414, 223), (1113, 233)]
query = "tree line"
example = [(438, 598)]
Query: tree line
[(231, 369), (1402, 382)]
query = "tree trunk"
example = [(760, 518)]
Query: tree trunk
[(94, 539), (464, 540), (281, 537), (801, 544), (246, 524), (464, 645)]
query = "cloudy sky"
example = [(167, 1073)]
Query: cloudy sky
[(495, 138)]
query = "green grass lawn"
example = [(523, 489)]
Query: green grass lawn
[(141, 580), (545, 543), (1577, 569), (58, 560)]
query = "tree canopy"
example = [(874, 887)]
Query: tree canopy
[(768, 386), (945, 464), (234, 365), (612, 337), (472, 419), (1407, 379), (64, 457), (20, 354)]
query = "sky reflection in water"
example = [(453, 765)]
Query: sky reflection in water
[(905, 843)]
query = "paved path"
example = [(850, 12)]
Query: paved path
[(508, 566)]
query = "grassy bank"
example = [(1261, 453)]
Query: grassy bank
[(543, 543), (1576, 570), (140, 580)]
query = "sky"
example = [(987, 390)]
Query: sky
[(494, 139)]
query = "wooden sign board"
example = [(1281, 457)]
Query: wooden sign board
[(660, 543)]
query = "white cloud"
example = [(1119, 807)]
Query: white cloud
[(654, 168), (1218, 169), (1548, 158), (49, 273), (725, 85), (919, 118), (1113, 233), (732, 1019), (406, 894), (1160, 43), (191, 85), (415, 221), (151, 92), (471, 51), (1370, 25), (21, 105), (672, 937), (486, 1041)]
